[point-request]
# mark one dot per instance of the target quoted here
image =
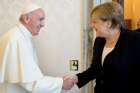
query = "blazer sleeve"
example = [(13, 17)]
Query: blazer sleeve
[(95, 68)]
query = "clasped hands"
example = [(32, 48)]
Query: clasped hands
[(69, 81)]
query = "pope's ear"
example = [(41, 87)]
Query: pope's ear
[(26, 18)]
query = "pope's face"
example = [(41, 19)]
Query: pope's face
[(37, 21)]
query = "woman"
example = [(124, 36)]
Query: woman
[(116, 58)]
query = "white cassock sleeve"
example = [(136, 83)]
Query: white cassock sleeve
[(45, 85), (18, 63)]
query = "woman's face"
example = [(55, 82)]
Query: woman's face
[(102, 28)]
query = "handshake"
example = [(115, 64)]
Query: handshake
[(69, 81)]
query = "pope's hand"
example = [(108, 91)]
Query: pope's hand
[(69, 81)]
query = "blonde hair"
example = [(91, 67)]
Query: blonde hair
[(109, 11)]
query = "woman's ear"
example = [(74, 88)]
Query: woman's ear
[(109, 24)]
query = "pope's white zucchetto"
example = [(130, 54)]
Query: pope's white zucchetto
[(30, 8)]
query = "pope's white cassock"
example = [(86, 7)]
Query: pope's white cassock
[(19, 71)]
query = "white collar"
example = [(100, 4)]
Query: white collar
[(24, 30)]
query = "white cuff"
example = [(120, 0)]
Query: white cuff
[(48, 85), (28, 86)]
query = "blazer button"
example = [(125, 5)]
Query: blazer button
[(101, 81)]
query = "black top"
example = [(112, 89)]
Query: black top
[(120, 72), (138, 30)]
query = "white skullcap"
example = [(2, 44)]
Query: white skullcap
[(30, 8)]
